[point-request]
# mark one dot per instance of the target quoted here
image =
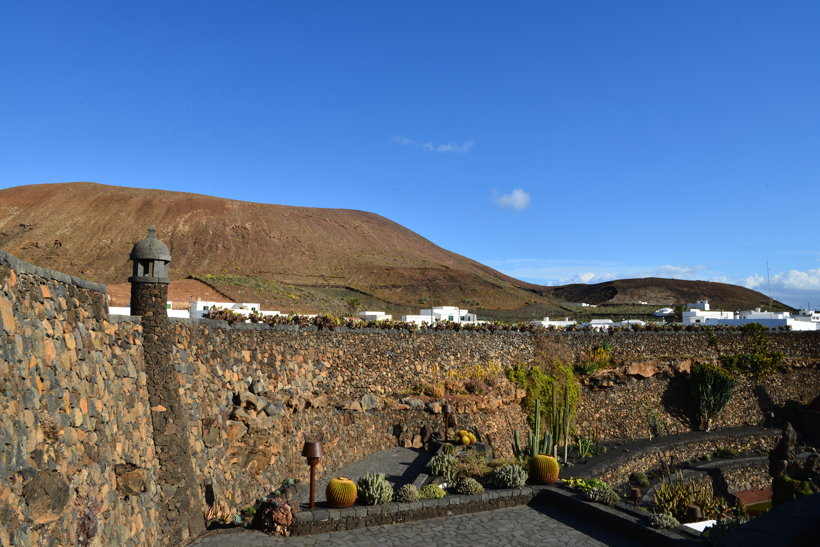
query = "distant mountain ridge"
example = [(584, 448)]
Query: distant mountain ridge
[(286, 257)]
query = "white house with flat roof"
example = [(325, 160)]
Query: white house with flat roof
[(442, 313), (374, 316), (599, 324), (547, 323), (700, 314), (198, 308)]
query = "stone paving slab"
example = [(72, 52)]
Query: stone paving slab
[(525, 525), (399, 465)]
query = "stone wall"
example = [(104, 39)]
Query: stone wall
[(76, 452), (77, 448), (256, 393)]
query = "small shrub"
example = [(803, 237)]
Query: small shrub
[(718, 531), (473, 465), (761, 360), (675, 495), (407, 493), (712, 387), (510, 476), (469, 486), (726, 452), (603, 494), (374, 489), (663, 520), (640, 478), (431, 492), (275, 515)]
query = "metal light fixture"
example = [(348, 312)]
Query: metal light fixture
[(447, 410), (312, 450)]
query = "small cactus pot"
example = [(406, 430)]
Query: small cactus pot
[(341, 492), (544, 469)]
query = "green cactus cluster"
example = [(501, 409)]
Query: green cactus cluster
[(443, 465), (468, 486), (431, 492), (537, 443), (603, 494), (510, 476), (374, 489), (407, 493), (663, 520)]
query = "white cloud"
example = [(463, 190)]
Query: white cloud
[(753, 281), (674, 272), (560, 272), (589, 277), (517, 199), (430, 147), (798, 281), (793, 280), (793, 287)]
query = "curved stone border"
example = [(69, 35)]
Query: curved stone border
[(622, 517), (22, 267), (643, 456)]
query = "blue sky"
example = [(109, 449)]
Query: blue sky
[(555, 141)]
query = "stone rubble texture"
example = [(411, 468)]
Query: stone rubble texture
[(77, 444)]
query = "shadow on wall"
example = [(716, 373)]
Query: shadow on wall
[(678, 402)]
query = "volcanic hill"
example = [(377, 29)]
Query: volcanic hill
[(288, 258)]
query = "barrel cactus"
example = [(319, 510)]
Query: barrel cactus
[(510, 476), (341, 492), (544, 469), (374, 489)]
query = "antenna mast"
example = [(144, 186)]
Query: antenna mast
[(769, 283)]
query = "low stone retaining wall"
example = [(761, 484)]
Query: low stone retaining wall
[(647, 455)]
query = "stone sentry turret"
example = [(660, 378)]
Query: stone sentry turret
[(149, 279), (181, 496)]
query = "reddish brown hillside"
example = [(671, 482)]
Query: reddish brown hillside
[(291, 258), (88, 229)]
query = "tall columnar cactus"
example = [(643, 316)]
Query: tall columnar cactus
[(538, 444), (443, 465)]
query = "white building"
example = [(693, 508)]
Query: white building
[(581, 305), (700, 314), (598, 324), (126, 310), (374, 316), (442, 313), (197, 309), (546, 323)]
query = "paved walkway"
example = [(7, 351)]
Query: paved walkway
[(525, 525), (399, 465)]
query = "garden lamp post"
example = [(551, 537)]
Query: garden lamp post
[(447, 410), (312, 450)]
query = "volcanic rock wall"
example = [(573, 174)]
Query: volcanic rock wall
[(77, 456), (76, 451)]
